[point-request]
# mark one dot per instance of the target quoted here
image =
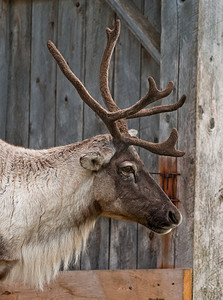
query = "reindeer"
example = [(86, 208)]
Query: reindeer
[(50, 199)]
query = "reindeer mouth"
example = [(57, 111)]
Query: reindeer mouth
[(159, 230)]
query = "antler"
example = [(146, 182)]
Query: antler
[(153, 95), (112, 37), (115, 118), (159, 109)]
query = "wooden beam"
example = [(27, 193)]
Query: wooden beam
[(169, 284), (139, 26), (208, 208), (178, 63)]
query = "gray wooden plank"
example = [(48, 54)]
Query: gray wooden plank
[(98, 17), (17, 129), (179, 52), (139, 25), (208, 214), (43, 75), (152, 9), (123, 246), (149, 243), (188, 35), (169, 72), (71, 42), (4, 57)]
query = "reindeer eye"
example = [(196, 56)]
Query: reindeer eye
[(128, 169), (127, 172)]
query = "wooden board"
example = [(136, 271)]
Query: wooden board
[(167, 165), (71, 43), (17, 126), (208, 214), (142, 29), (178, 63), (43, 80), (149, 242), (110, 285), (187, 81), (4, 50)]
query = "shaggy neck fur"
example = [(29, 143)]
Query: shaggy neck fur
[(47, 209)]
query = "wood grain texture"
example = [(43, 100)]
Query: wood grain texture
[(123, 243), (178, 44), (149, 242), (187, 285), (167, 165), (17, 127), (4, 61), (110, 285), (71, 42), (187, 80), (140, 26), (43, 79), (152, 11), (98, 17), (208, 232), (168, 121)]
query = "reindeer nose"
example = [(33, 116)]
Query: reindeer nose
[(174, 217)]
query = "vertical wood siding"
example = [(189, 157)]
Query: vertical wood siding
[(208, 211), (179, 63), (40, 108), (126, 93)]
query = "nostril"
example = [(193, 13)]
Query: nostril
[(173, 218)]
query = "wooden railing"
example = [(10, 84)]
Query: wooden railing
[(165, 284)]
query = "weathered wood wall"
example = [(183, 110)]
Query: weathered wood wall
[(208, 225), (179, 62), (39, 108)]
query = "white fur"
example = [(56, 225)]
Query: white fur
[(44, 209)]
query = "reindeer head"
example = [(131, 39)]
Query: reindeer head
[(123, 188)]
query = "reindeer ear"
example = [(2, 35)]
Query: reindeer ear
[(91, 161), (98, 154)]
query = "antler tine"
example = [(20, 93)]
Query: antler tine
[(159, 109), (85, 96), (112, 37), (166, 148), (153, 95)]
